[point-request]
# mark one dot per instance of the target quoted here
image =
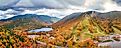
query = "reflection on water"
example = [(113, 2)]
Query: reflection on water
[(41, 30)]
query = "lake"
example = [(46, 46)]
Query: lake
[(46, 29)]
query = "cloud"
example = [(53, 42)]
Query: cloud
[(47, 3), (105, 5), (8, 3), (111, 6), (8, 13), (24, 3), (57, 8), (108, 5), (60, 13), (64, 4), (56, 3)]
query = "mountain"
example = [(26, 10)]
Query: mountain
[(44, 18), (109, 22), (111, 15), (90, 22), (78, 16), (83, 30), (66, 19), (28, 21)]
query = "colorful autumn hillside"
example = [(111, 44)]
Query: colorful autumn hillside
[(81, 32), (28, 21), (78, 30), (10, 39)]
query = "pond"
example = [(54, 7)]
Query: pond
[(46, 29)]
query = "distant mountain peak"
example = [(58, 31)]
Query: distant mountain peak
[(30, 16)]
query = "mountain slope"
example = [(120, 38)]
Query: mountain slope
[(105, 22), (75, 16), (28, 21), (111, 15), (82, 31), (43, 18), (75, 33)]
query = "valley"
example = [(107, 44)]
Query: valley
[(78, 30)]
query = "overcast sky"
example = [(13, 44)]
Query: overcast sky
[(74, 4), (56, 8)]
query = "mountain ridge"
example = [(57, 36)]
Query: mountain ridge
[(112, 15), (29, 16), (28, 21)]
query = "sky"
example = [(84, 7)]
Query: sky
[(56, 8), (61, 4)]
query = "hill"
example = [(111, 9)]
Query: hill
[(28, 21), (82, 30)]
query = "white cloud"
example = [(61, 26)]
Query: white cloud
[(64, 4), (1, 17), (8, 13), (87, 4), (61, 9), (111, 6), (60, 13)]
